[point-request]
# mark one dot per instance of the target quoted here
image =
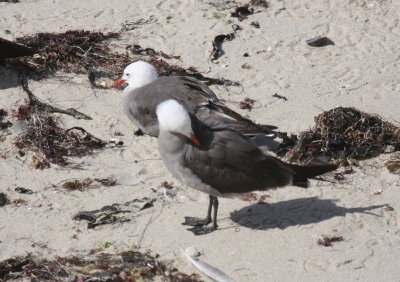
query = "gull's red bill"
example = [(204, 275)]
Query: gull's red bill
[(119, 82), (195, 140)]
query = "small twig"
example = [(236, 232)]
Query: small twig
[(33, 100), (276, 95)]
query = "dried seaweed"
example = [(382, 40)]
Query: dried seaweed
[(51, 143), (74, 51), (138, 50), (242, 12), (76, 184), (166, 184), (319, 41), (276, 95), (261, 3), (138, 132), (4, 125), (217, 51), (255, 24), (108, 214), (327, 241), (23, 190), (343, 133), (393, 165), (82, 185), (125, 266), (247, 104), (86, 52)]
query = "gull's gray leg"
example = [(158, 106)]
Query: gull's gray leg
[(215, 205)]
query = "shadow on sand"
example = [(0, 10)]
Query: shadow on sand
[(8, 78), (293, 212)]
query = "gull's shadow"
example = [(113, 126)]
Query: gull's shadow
[(293, 212), (8, 78)]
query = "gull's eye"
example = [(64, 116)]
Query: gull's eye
[(127, 74)]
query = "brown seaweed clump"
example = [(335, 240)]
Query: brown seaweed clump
[(51, 143), (343, 133), (76, 51), (87, 52), (327, 241), (126, 266)]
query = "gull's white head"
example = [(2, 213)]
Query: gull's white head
[(137, 74), (173, 117)]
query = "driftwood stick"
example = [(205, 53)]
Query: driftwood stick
[(34, 101)]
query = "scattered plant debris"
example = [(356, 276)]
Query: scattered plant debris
[(393, 165), (106, 245), (118, 133), (287, 144), (242, 12), (377, 192), (85, 52), (138, 50), (223, 5), (133, 25), (246, 55), (387, 208), (77, 184), (327, 241), (138, 132), (262, 3), (4, 125), (343, 133), (17, 202), (10, 1), (168, 185), (52, 143), (276, 95), (217, 51), (248, 197), (23, 190), (245, 66), (116, 142), (319, 41), (339, 176), (109, 181), (107, 214), (75, 51), (247, 104), (125, 266), (24, 112), (165, 191), (255, 24), (263, 198), (82, 185)]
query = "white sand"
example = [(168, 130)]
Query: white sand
[(273, 242)]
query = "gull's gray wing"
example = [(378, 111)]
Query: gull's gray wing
[(231, 163)]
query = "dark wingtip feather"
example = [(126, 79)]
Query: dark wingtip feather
[(303, 173)]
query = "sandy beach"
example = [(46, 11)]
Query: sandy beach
[(275, 241)]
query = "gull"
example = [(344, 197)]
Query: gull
[(220, 161), (146, 90)]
